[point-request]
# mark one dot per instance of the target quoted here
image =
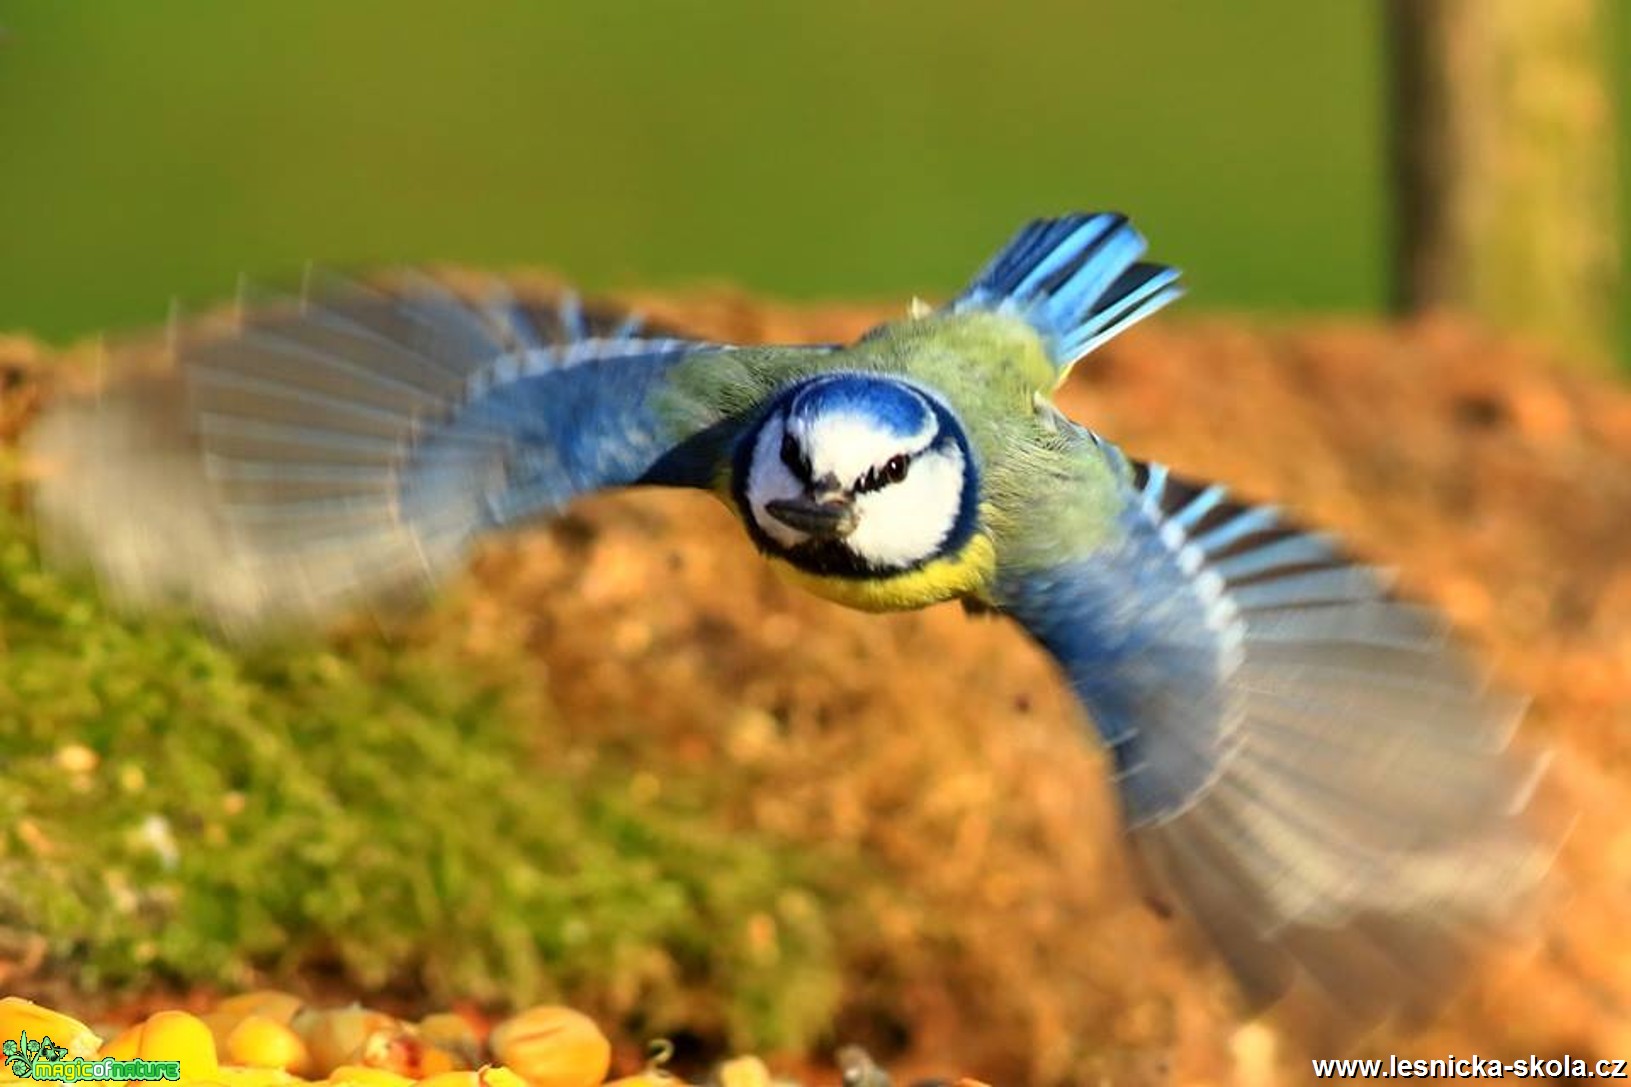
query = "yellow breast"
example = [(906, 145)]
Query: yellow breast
[(966, 573)]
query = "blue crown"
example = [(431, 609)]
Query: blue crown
[(892, 404)]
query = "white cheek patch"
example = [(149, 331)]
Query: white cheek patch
[(769, 480), (847, 444), (906, 522)]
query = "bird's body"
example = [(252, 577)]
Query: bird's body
[(1000, 399), (1305, 763)]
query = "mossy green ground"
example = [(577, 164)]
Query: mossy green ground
[(391, 808)]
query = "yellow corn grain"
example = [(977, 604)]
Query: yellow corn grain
[(169, 1036), (465, 1078), (496, 1075), (260, 1042), (336, 1037), (122, 1046), (649, 1077), (436, 1061), (18, 1015), (361, 1075), (454, 1035), (744, 1072), (221, 1026), (267, 1003), (552, 1046), (179, 1036), (399, 1049), (239, 1076)]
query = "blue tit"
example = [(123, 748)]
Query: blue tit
[(1305, 765)]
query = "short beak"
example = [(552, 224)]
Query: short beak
[(825, 519)]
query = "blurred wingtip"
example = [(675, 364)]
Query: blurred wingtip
[(132, 480), (1399, 953)]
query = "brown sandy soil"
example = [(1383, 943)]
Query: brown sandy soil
[(945, 748)]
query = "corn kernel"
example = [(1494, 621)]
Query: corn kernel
[(220, 1027), (123, 1046), (436, 1061), (267, 1003), (360, 1075), (260, 1042), (649, 1077), (465, 1078), (337, 1036), (453, 1034), (553, 1047), (398, 1049), (18, 1015), (234, 1076), (744, 1072), (178, 1036), (496, 1075)]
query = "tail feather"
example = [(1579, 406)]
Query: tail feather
[(1139, 292), (1077, 280)]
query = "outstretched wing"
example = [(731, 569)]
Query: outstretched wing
[(1077, 280), (318, 451), (1305, 764)]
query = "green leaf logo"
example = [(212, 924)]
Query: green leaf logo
[(21, 1055)]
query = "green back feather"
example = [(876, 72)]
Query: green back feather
[(1049, 491)]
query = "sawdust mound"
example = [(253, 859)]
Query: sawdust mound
[(943, 747), (943, 752)]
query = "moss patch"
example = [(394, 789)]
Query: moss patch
[(400, 810)]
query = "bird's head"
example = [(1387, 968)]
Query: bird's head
[(859, 476)]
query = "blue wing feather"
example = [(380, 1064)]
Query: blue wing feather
[(1142, 646), (1305, 763), (1077, 280), (490, 415), (354, 440)]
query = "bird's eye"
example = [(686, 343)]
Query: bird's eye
[(893, 471), (794, 458)]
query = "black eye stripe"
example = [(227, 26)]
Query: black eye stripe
[(794, 458)]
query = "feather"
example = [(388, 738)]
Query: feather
[(1077, 280), (1306, 764), (316, 452)]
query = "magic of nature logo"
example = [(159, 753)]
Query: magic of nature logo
[(43, 1059)]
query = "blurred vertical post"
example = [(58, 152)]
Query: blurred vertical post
[(1504, 167)]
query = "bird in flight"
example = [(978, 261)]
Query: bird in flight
[(1306, 766)]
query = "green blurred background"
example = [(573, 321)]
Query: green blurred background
[(847, 149)]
